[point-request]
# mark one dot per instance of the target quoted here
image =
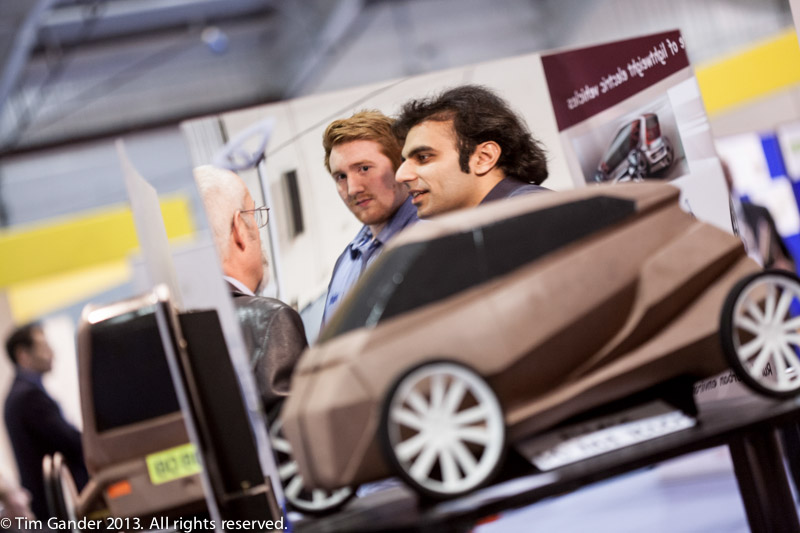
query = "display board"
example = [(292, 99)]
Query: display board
[(631, 110)]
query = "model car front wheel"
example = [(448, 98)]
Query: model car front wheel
[(443, 430), (310, 501), (760, 328)]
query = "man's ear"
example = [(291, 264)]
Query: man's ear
[(485, 157), (22, 356), (239, 231)]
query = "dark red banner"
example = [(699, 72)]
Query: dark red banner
[(586, 81)]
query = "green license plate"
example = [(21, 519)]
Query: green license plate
[(174, 463)]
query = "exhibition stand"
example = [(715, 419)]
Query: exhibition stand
[(748, 426)]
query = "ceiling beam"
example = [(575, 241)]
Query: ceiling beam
[(17, 40)]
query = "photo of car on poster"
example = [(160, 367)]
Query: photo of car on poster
[(643, 144), (631, 111)]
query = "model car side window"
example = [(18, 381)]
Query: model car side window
[(516, 241), (128, 358)]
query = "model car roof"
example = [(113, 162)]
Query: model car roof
[(645, 196)]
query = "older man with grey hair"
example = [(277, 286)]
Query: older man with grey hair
[(273, 331)]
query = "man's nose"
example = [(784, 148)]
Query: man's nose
[(354, 185), (404, 174)]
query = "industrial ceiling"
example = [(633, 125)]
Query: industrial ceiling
[(80, 69)]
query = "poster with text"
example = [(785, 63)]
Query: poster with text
[(631, 111)]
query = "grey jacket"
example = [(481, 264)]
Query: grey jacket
[(275, 338)]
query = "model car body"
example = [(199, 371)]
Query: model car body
[(638, 150), (483, 327)]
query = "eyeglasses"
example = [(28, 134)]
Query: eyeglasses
[(261, 215)]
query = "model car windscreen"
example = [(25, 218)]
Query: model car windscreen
[(130, 379)]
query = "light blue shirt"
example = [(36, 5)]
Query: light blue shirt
[(360, 253)]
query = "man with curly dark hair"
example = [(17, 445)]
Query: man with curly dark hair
[(466, 147)]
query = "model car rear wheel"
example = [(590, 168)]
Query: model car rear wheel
[(760, 328), (305, 500), (443, 430)]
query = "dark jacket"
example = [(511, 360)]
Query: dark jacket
[(37, 428), (511, 187), (275, 338)]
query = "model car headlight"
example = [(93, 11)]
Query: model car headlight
[(334, 352)]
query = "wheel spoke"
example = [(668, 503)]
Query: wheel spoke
[(287, 470), (294, 487), (792, 338), (760, 364), (780, 368), (783, 305), (769, 305), (747, 324), (405, 417), (791, 359), (753, 309), (751, 348), (417, 402), (437, 391), (280, 444), (454, 396), (422, 466), (464, 458), (473, 434), (792, 325), (450, 473), (471, 416), (411, 447)]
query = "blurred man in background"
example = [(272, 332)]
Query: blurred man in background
[(756, 227), (362, 155), (466, 147), (33, 419), (272, 330)]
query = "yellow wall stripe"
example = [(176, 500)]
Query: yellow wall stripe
[(771, 66), (56, 247), (33, 299)]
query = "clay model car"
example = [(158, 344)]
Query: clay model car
[(137, 449), (481, 328), (637, 151)]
